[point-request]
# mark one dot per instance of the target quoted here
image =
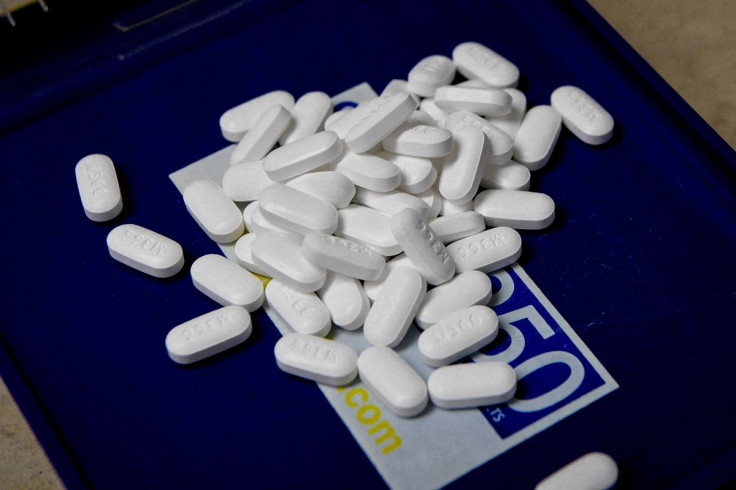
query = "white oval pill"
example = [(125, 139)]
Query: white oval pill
[(502, 146), (262, 137), (430, 73), (473, 60), (522, 210), (484, 101), (369, 171), (145, 250), (303, 312), (302, 155), (321, 360), (256, 223), (329, 185), (307, 116), (419, 140), (537, 136), (433, 199), (244, 182), (208, 334), (428, 105), (279, 257), (453, 227), (420, 244), (98, 187), (458, 335), (346, 301), (392, 380), (463, 167), (344, 124), (236, 121), (243, 252), (390, 202), (373, 288), (297, 211), (453, 207), (226, 282), (344, 256), (510, 175), (369, 227), (475, 384), (593, 471), (510, 122), (417, 174), (582, 115), (393, 311), (380, 122), (487, 251), (462, 291), (215, 213)]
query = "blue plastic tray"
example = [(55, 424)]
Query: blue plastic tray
[(640, 261)]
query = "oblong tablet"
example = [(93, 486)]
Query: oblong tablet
[(236, 121), (510, 175), (453, 227), (279, 257), (343, 256), (474, 384), (208, 334), (256, 223), (420, 244), (458, 335), (418, 140), (302, 155), (473, 60), (98, 187), (502, 146), (262, 137), (510, 123), (463, 167), (593, 471), (297, 211), (369, 171), (537, 136), (302, 312), (243, 249), (392, 380), (462, 291), (522, 210), (582, 115), (369, 227), (487, 251), (380, 122), (213, 211), (321, 360), (395, 307), (226, 282), (484, 101), (345, 299), (430, 73), (391, 202), (330, 186), (417, 174), (307, 116), (145, 250), (244, 182)]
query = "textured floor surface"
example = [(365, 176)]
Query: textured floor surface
[(691, 44)]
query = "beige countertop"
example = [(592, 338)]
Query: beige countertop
[(692, 44)]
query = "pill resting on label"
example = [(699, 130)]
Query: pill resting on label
[(324, 361), (145, 250), (98, 187), (215, 213), (208, 334), (474, 384)]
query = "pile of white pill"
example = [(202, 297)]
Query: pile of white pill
[(378, 216)]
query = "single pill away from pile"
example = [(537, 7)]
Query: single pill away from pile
[(420, 244), (475, 384), (343, 256), (593, 471), (145, 250), (236, 121), (462, 291), (392, 380), (522, 210), (279, 257), (208, 334), (473, 60), (395, 307), (98, 187), (379, 123), (430, 73), (302, 312), (321, 360), (582, 115), (537, 136), (213, 211), (302, 155), (458, 335), (487, 251), (226, 282)]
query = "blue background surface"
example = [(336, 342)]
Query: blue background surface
[(640, 260)]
